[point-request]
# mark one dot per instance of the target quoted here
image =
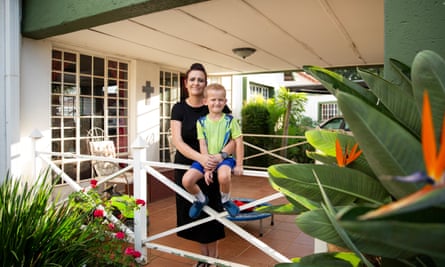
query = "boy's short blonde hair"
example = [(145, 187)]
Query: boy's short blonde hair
[(214, 87)]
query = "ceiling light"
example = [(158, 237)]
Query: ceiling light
[(244, 51)]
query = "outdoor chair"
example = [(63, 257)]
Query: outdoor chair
[(103, 168)]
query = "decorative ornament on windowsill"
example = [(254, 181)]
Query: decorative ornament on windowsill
[(244, 51)]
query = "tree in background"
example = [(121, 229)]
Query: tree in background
[(281, 115), (256, 119), (293, 106)]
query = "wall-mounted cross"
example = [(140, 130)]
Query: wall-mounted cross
[(148, 89)]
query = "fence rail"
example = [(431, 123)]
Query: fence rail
[(141, 167)]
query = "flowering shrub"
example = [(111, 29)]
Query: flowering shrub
[(114, 248)]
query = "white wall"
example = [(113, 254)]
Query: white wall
[(34, 102), (311, 106), (145, 112)]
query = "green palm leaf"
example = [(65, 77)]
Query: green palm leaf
[(429, 74), (406, 111), (342, 185), (389, 148)]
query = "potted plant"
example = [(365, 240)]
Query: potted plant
[(386, 204)]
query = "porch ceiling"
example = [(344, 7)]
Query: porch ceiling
[(287, 34)]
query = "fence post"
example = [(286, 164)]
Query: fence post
[(140, 192), (35, 135)]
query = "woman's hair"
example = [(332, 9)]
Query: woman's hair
[(196, 66)]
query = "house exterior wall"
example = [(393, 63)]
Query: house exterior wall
[(35, 95), (412, 26), (145, 122)]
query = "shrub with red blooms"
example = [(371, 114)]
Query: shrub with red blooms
[(112, 246)]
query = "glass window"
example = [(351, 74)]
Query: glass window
[(83, 87), (169, 93)]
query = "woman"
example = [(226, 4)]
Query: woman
[(184, 136)]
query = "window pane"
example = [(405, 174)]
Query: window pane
[(99, 66), (98, 86), (98, 106), (85, 85), (57, 54), (69, 78), (57, 65), (85, 126), (85, 106), (85, 64)]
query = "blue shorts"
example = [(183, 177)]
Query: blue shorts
[(228, 161)]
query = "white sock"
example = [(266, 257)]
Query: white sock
[(225, 197), (200, 197)]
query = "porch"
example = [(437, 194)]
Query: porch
[(284, 236)]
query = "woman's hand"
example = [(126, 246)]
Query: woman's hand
[(209, 161)]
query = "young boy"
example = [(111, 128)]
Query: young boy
[(214, 132)]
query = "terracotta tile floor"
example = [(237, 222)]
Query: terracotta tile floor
[(284, 236)]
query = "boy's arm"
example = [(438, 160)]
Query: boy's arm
[(239, 155), (203, 147)]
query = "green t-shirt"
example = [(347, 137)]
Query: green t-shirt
[(217, 133)]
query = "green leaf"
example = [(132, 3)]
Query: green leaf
[(428, 73), (389, 148), (342, 185), (339, 259), (331, 214), (336, 83), (280, 209), (433, 198), (405, 75), (402, 105), (317, 224), (397, 238)]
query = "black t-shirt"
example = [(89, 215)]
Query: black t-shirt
[(188, 116)]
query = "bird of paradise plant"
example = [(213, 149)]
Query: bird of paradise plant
[(388, 205), (343, 159)]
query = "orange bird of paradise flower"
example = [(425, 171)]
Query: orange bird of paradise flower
[(434, 163), (343, 159)]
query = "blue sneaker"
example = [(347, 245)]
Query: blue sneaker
[(231, 208), (196, 208)]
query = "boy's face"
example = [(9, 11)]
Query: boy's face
[(215, 100)]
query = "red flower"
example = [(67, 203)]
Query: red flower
[(93, 183), (140, 202), (111, 226), (98, 213), (132, 252), (136, 254), (120, 235)]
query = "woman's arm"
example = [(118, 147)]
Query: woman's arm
[(184, 148)]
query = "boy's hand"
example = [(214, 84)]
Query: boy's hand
[(238, 170), (208, 176)]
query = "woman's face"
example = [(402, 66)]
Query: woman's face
[(195, 83)]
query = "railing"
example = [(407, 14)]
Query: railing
[(141, 167), (271, 152)]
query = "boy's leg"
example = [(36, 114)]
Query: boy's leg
[(189, 181), (224, 178)]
